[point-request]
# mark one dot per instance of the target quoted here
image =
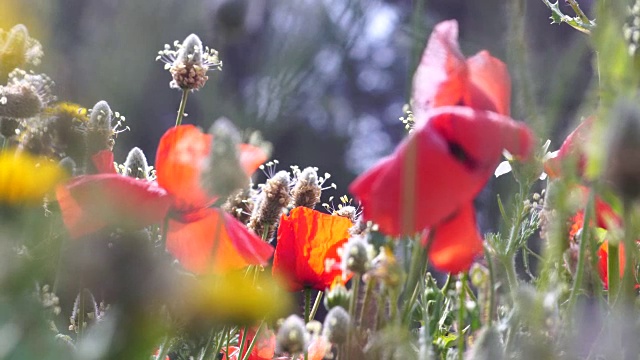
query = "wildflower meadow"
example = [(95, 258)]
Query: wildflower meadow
[(206, 246)]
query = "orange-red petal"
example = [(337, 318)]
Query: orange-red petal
[(103, 162), (438, 168), (214, 243), (251, 157), (489, 84), (179, 162), (308, 241), (89, 203), (456, 242), (571, 156)]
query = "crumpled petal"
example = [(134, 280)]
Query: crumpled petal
[(444, 77), (571, 156), (308, 242), (441, 166), (456, 242), (91, 202), (215, 243)]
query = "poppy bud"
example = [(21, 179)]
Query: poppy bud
[(356, 256), (306, 191), (271, 201), (623, 150), (136, 165), (292, 337), (224, 173), (338, 295), (336, 325), (488, 346)]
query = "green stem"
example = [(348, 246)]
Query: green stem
[(576, 9), (512, 277), (461, 304), (253, 343), (355, 288), (243, 340), (613, 271), (582, 252), (316, 305), (630, 248), (183, 104), (307, 313), (164, 349), (367, 296)]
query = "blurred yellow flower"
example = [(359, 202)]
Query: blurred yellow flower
[(26, 179), (236, 299)]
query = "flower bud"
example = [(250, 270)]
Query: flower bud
[(356, 256), (623, 150), (136, 165), (306, 191), (336, 325), (189, 62), (271, 201), (292, 337), (338, 295), (224, 174)]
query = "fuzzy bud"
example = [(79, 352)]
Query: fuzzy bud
[(338, 295), (68, 165), (623, 150), (224, 174), (306, 192), (136, 165), (292, 337), (356, 256), (336, 325), (189, 63), (271, 201), (99, 130)]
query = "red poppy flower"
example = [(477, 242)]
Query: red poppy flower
[(308, 241), (91, 202), (438, 169), (444, 77), (203, 239), (571, 155), (264, 348)]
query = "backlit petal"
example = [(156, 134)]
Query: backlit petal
[(489, 84)]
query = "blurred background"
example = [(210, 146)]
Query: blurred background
[(323, 80)]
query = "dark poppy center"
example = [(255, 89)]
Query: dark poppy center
[(461, 155)]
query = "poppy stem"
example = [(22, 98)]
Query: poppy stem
[(367, 295), (316, 305), (584, 240), (307, 313), (628, 279), (613, 271), (492, 284), (183, 104), (461, 304)]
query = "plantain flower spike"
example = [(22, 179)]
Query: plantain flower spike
[(336, 325), (17, 50), (188, 62), (136, 165), (293, 337), (100, 130), (306, 191), (269, 205), (25, 95)]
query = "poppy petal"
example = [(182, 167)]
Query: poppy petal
[(88, 203), (489, 84), (456, 242), (440, 78), (251, 157), (179, 162), (571, 157), (308, 242), (103, 162), (215, 243), (442, 165)]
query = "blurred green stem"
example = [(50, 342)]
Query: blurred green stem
[(461, 304), (613, 271), (253, 343), (316, 305), (492, 284), (585, 239), (183, 104), (367, 295), (630, 249), (307, 313)]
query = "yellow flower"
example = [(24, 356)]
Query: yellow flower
[(25, 179), (236, 298)]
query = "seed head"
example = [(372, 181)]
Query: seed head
[(224, 174), (100, 130), (270, 203), (306, 191), (292, 337), (17, 50), (189, 62), (239, 204), (336, 325), (136, 165)]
